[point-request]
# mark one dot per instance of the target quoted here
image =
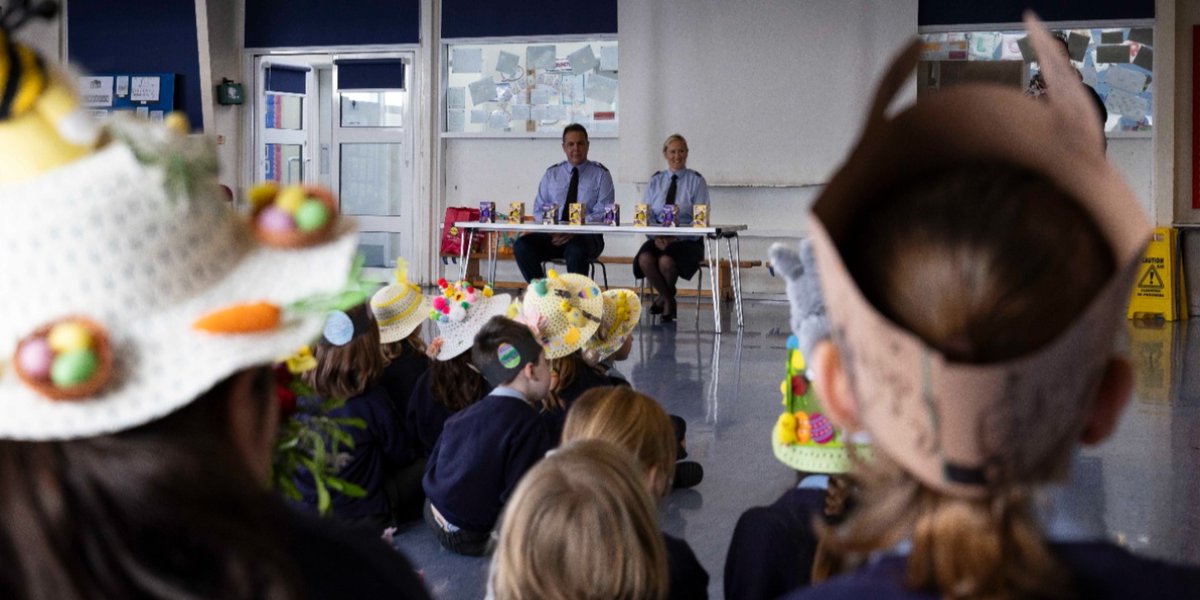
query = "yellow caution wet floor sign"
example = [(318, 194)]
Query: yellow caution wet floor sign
[(1156, 292)]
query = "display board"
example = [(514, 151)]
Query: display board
[(148, 95), (767, 92), (1117, 62), (519, 88)]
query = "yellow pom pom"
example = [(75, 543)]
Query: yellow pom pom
[(551, 274), (290, 199), (68, 336), (797, 361), (564, 306), (177, 123), (262, 194), (487, 291), (571, 336)]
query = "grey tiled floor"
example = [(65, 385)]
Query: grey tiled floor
[(1145, 481)]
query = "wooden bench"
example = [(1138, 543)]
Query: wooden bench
[(724, 278)]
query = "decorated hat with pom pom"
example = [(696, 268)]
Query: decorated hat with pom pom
[(564, 312), (803, 438), (399, 308), (460, 311), (622, 309)]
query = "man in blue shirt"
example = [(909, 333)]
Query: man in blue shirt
[(576, 179)]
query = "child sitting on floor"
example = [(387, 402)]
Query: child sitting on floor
[(486, 448), (349, 365), (580, 525), (452, 382), (959, 346), (399, 310), (638, 424)]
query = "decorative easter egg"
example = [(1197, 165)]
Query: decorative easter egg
[(539, 287), (35, 358), (509, 357), (68, 336), (311, 215), (589, 292), (72, 368), (822, 429), (273, 219), (289, 199), (339, 328)]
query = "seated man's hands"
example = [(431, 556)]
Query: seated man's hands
[(559, 239), (662, 242)]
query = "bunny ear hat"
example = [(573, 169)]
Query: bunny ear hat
[(963, 428)]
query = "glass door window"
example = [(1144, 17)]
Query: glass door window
[(286, 91)]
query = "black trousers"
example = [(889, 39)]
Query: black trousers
[(531, 249)]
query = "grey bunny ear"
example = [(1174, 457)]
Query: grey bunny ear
[(809, 322), (786, 261)]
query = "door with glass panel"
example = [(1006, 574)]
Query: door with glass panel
[(372, 152), (285, 92)]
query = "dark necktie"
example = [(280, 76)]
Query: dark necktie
[(671, 190), (572, 194)]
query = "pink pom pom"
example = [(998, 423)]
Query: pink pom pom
[(439, 303)]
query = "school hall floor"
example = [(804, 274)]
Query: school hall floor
[(1145, 481)]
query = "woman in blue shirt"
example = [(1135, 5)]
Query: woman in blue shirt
[(663, 260)]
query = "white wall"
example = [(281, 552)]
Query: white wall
[(225, 23)]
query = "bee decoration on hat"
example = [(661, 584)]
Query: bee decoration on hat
[(41, 123)]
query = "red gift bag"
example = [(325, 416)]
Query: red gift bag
[(451, 238)]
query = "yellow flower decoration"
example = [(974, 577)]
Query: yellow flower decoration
[(301, 361), (571, 336)]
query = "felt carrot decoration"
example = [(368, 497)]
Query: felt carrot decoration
[(240, 318)]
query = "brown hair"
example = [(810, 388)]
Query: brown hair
[(631, 420), (580, 525), (455, 383), (574, 127), (972, 259), (566, 370), (167, 510), (346, 371), (411, 345)]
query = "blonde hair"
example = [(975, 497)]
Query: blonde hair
[(674, 137), (565, 369), (345, 371), (580, 526), (413, 343), (631, 420)]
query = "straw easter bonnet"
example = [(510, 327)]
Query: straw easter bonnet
[(399, 308), (964, 428), (563, 311), (622, 309), (460, 312), (133, 243)]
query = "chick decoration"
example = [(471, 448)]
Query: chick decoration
[(41, 123)]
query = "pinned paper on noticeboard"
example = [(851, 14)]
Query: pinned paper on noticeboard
[(583, 60), (508, 64), (520, 112), (483, 90), (608, 58), (1145, 58), (1116, 53), (601, 88), (1077, 45), (456, 120), (1125, 78), (467, 60), (1123, 103), (540, 57), (456, 97)]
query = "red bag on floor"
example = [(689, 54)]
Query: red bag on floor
[(451, 238)]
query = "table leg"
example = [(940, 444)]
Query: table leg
[(712, 253), (493, 242), (463, 253), (467, 258), (735, 272)]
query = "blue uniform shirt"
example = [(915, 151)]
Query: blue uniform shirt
[(690, 189), (595, 190)]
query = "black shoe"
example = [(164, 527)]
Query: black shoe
[(687, 474), (656, 307), (668, 314)]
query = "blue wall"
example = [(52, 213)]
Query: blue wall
[(296, 23), (139, 36), (476, 18), (967, 12)]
